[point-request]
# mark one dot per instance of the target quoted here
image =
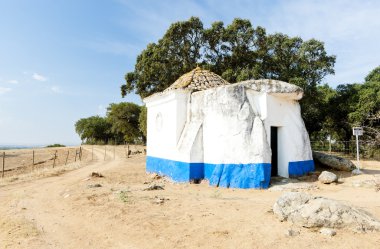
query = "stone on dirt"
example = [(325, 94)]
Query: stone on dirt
[(327, 232), (154, 187), (96, 185), (96, 174), (312, 212), (334, 162), (159, 200), (291, 233), (327, 177), (155, 176)]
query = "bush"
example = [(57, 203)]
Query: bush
[(55, 145)]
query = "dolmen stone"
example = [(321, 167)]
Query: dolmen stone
[(327, 177), (318, 212), (334, 162)]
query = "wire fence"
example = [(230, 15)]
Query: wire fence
[(20, 161), (368, 150)]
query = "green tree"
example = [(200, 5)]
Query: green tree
[(143, 121), (159, 65), (367, 108), (374, 75), (124, 120), (93, 129), (366, 111), (237, 52), (340, 106), (337, 111), (318, 112)]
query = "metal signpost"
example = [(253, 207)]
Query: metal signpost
[(357, 131)]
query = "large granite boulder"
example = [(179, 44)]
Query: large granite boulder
[(334, 162), (316, 212)]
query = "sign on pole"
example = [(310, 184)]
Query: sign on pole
[(357, 131)]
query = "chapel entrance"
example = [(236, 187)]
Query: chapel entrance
[(274, 148)]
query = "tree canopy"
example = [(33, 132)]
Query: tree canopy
[(93, 129), (351, 105), (124, 120), (237, 52), (240, 51), (121, 124)]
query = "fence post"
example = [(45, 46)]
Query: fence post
[(80, 153), (128, 151), (33, 157), (76, 153), (55, 157), (2, 174), (67, 157)]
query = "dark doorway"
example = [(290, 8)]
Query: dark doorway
[(274, 146)]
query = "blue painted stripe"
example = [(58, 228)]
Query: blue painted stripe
[(300, 168), (178, 171), (208, 169), (253, 175)]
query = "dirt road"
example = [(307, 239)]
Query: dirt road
[(73, 210)]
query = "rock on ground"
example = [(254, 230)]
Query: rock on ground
[(291, 232), (154, 187), (327, 177), (96, 185), (311, 212), (327, 232), (333, 162)]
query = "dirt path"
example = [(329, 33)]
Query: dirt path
[(48, 208), (67, 211)]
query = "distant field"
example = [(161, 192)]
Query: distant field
[(13, 147), (23, 160)]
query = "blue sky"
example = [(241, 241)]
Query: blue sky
[(63, 60)]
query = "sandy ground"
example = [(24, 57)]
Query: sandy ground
[(62, 209)]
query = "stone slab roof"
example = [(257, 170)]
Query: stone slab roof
[(200, 79), (274, 87), (197, 80)]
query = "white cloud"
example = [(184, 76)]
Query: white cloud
[(13, 81), (56, 89), (5, 90), (39, 77)]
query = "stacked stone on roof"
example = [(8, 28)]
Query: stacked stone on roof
[(198, 79)]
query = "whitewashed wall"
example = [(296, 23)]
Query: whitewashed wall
[(232, 132), (293, 139), (166, 118), (226, 125)]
